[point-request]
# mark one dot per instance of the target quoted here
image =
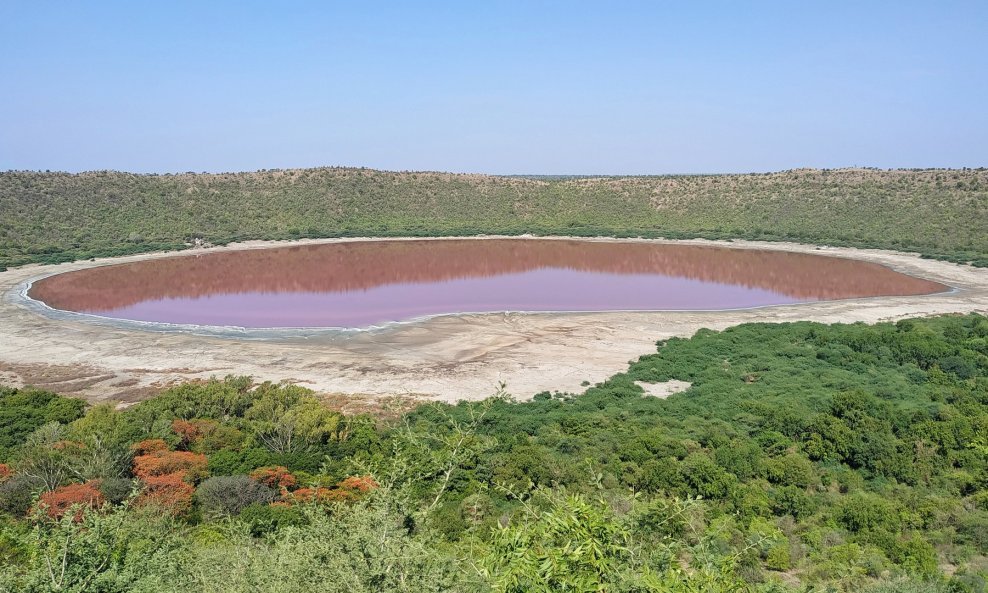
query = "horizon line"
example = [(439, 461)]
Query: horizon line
[(468, 173)]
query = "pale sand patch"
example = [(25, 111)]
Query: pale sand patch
[(664, 389), (449, 358)]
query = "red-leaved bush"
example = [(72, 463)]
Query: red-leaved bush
[(170, 492), (167, 475), (149, 446), (274, 476), (350, 489), (192, 431), (358, 484), (160, 463), (5, 472), (58, 502)]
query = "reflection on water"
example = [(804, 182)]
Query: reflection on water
[(363, 283)]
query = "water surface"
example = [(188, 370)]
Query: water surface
[(360, 284)]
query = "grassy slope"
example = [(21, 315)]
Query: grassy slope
[(50, 217)]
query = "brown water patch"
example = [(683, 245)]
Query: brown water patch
[(356, 284)]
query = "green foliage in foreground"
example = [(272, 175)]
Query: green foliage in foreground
[(23, 411), (805, 457), (55, 217)]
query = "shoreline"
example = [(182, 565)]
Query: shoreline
[(446, 357)]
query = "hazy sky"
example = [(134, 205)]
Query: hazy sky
[(498, 87)]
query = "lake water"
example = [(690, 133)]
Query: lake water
[(366, 283)]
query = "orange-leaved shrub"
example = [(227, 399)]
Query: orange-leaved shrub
[(160, 463), (358, 484), (149, 446), (167, 475), (81, 496), (274, 476), (191, 432), (170, 492), (348, 490), (5, 472)]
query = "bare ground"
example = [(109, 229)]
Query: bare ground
[(448, 358)]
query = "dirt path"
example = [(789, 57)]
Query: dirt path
[(449, 358)]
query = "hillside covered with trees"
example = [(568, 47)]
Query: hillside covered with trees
[(805, 457), (53, 217)]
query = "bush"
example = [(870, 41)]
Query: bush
[(73, 496), (116, 490), (790, 500), (869, 512), (159, 463), (779, 557), (263, 519), (169, 492), (274, 476), (224, 463), (17, 494), (228, 495), (22, 411)]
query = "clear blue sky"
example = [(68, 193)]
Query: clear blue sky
[(497, 87)]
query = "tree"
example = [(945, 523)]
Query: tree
[(43, 457), (362, 548), (96, 457), (572, 545), (23, 411), (92, 552), (288, 419)]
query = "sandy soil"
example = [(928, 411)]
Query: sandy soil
[(449, 358), (663, 389)]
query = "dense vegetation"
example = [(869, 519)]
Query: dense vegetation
[(53, 217), (804, 457)]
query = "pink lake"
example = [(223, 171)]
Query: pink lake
[(368, 283)]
